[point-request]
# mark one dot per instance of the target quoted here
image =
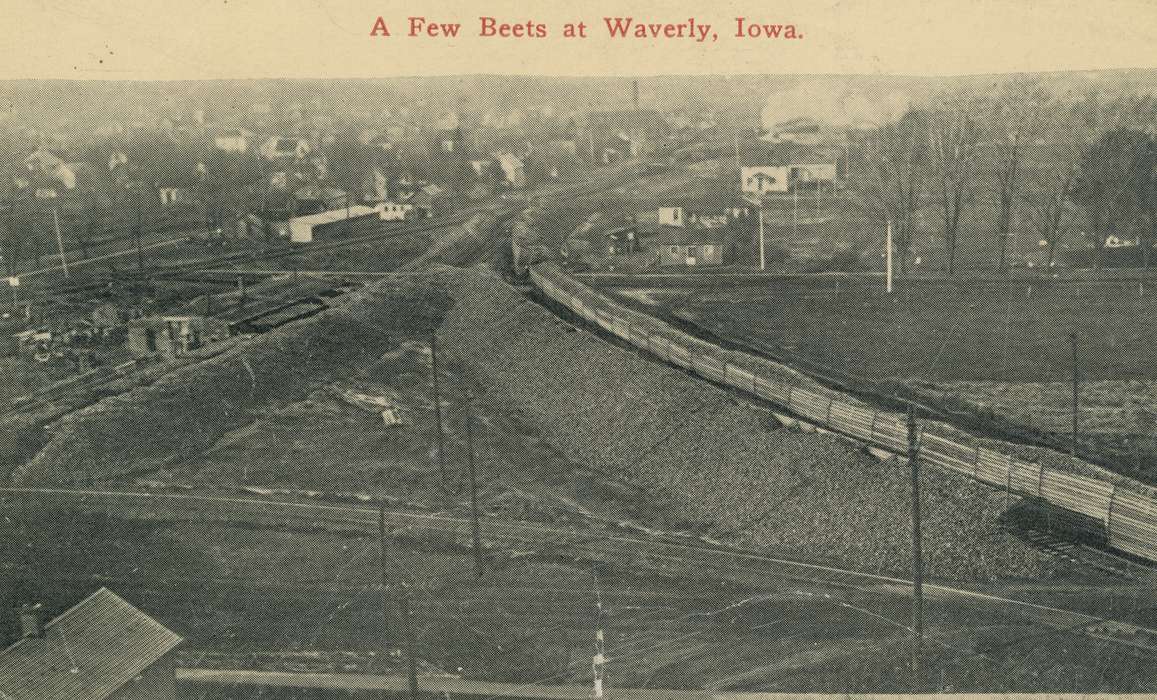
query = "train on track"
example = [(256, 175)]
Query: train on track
[(1124, 517)]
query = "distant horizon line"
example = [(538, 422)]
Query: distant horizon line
[(926, 76)]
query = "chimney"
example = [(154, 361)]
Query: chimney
[(31, 620)]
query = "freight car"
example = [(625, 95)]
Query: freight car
[(1125, 516)]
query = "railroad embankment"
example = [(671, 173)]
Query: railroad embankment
[(188, 409), (704, 458), (715, 462)]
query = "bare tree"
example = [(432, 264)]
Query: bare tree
[(10, 242), (1047, 196), (888, 167), (1111, 176), (1143, 196), (953, 138), (1015, 124)]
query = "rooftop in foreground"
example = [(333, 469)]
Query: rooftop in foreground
[(88, 652)]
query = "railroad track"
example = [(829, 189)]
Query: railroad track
[(385, 231), (662, 553)]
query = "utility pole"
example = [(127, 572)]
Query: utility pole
[(599, 662), (59, 239), (408, 616), (795, 211), (888, 256), (1076, 394), (438, 408), (137, 231), (385, 572), (762, 253), (917, 552), (478, 563)]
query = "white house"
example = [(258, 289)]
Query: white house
[(812, 174), (232, 141), (46, 163), (117, 158), (672, 216), (394, 211), (513, 169), (285, 147), (42, 160), (764, 178), (66, 173)]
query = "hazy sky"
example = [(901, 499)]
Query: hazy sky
[(183, 39)]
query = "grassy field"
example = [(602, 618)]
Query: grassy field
[(996, 351), (941, 330)]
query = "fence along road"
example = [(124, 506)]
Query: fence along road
[(1127, 517)]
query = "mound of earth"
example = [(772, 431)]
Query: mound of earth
[(714, 461)]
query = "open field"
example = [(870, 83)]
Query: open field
[(934, 330), (996, 351)]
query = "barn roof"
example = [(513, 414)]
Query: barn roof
[(86, 653)]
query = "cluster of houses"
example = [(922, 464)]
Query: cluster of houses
[(694, 234), (768, 169), (687, 235), (265, 169), (46, 175)]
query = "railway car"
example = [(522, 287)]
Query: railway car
[(1128, 518)]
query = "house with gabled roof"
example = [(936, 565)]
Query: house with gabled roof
[(676, 247), (102, 648)]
